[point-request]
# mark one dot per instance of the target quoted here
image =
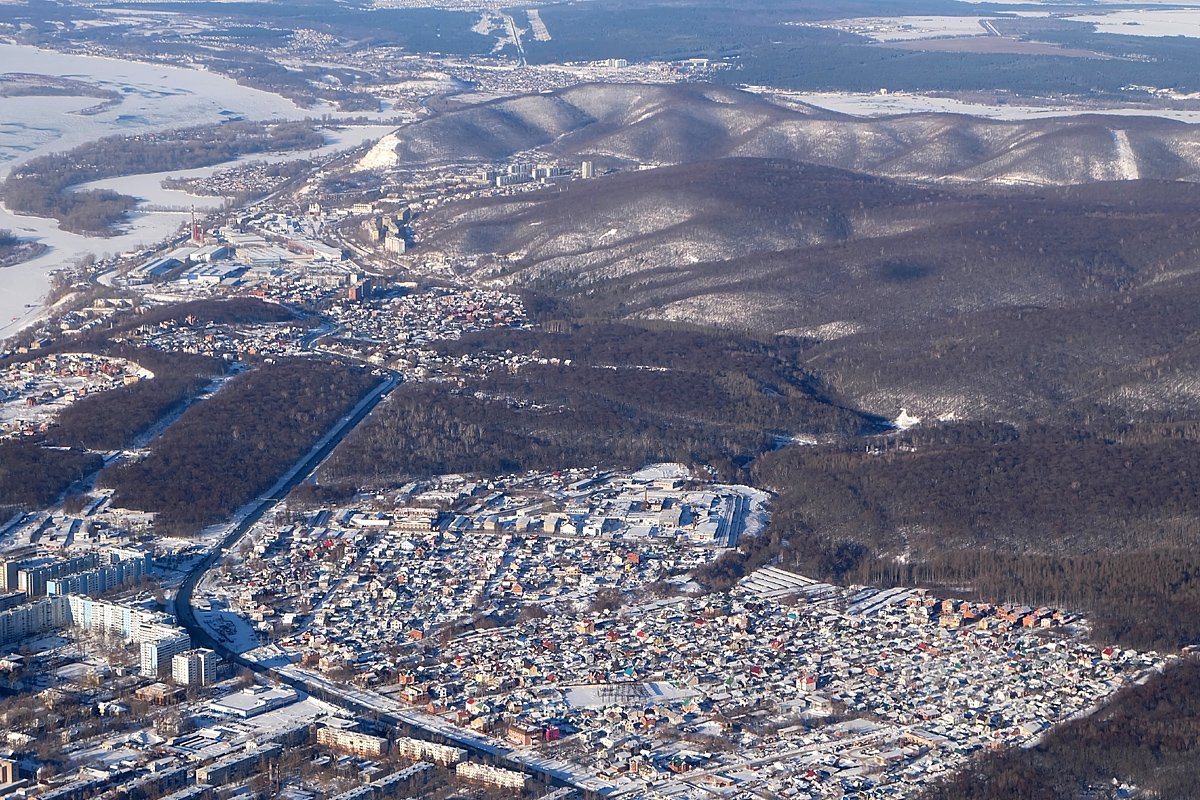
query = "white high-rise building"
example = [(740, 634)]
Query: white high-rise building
[(195, 667), (156, 654), (25, 620)]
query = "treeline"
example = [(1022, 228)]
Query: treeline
[(1148, 599), (33, 476), (42, 186), (1147, 736), (1046, 490), (231, 311), (114, 419), (108, 340), (14, 249), (1046, 517), (228, 449), (629, 396)]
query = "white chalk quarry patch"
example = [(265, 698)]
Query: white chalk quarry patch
[(1127, 165), (382, 156)]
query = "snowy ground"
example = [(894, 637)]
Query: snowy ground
[(666, 471), (1146, 22), (862, 104), (899, 29), (751, 516), (272, 723), (230, 629), (604, 694), (104, 755)]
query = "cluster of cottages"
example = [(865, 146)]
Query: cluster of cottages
[(354, 589), (678, 697), (393, 324), (739, 666), (375, 328), (493, 616), (354, 597), (77, 321), (188, 334), (32, 392)]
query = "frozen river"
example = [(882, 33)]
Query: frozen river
[(153, 97)]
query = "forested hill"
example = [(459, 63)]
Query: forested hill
[(1018, 304), (607, 395), (226, 450), (629, 124)]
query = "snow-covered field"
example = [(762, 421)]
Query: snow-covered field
[(862, 104), (1146, 22), (900, 29), (664, 471), (601, 695)]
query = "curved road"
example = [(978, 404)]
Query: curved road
[(186, 615), (304, 468)]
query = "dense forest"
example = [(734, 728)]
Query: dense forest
[(1043, 516), (43, 186), (115, 419), (762, 49), (33, 476), (223, 452), (1069, 304), (969, 486), (610, 395), (1147, 736)]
